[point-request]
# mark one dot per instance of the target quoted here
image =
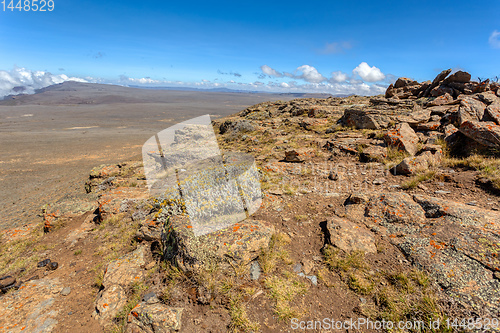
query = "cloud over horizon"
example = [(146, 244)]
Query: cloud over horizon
[(367, 73), (24, 81)]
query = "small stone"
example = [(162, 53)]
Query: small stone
[(66, 291), (379, 181), (307, 265), (297, 268), (496, 275), (442, 192), (313, 279), (7, 281), (255, 270), (43, 263), (333, 176), (362, 300), (52, 266), (148, 297), (472, 203)]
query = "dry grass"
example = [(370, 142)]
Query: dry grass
[(22, 253), (489, 167), (275, 253), (283, 289), (417, 179), (394, 157)]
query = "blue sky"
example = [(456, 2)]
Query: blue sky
[(258, 45)]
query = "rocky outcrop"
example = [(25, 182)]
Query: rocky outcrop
[(120, 274), (456, 243), (240, 243), (31, 308)]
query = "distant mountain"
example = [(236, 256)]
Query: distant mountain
[(73, 93)]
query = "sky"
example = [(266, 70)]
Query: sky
[(337, 47)]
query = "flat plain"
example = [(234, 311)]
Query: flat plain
[(50, 140)]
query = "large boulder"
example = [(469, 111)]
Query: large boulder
[(458, 77), (364, 119), (470, 109), (120, 274), (239, 243), (493, 112), (349, 236), (484, 132), (403, 137), (437, 80)]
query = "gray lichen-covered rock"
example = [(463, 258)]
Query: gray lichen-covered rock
[(154, 317), (240, 243)]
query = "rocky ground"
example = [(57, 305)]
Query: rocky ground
[(383, 208)]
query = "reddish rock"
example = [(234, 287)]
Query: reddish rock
[(422, 162), (373, 154), (485, 132), (441, 90), (470, 109), (430, 126), (459, 77), (110, 202), (349, 236), (403, 82), (390, 91), (440, 77), (403, 137), (298, 155), (441, 100), (493, 112)]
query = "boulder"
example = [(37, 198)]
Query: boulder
[(470, 109), (458, 77), (403, 82), (240, 243), (450, 133), (120, 274), (430, 126), (111, 202), (440, 77), (364, 119), (152, 316), (488, 98), (373, 154), (444, 99), (441, 90), (349, 236), (403, 137), (484, 132), (394, 208), (493, 112), (415, 164)]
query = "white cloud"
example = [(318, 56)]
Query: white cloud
[(367, 73), (339, 76), (336, 47), (284, 85), (24, 81), (310, 74), (494, 39), (269, 71)]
